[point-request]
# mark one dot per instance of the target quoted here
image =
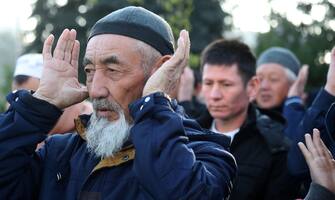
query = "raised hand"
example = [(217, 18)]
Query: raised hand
[(319, 160), (59, 82), (330, 84), (298, 87), (166, 78)]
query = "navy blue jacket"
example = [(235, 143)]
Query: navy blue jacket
[(293, 111), (314, 117), (174, 158)]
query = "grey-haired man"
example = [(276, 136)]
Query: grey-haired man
[(136, 145)]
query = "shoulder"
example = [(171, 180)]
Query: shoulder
[(271, 128), (63, 139), (60, 145)]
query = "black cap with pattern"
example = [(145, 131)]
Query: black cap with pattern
[(140, 24)]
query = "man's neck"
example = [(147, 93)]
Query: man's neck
[(227, 125)]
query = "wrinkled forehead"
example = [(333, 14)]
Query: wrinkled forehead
[(107, 44), (110, 41)]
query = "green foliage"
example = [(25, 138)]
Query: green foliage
[(310, 42), (204, 19), (207, 23)]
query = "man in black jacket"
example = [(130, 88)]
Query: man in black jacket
[(257, 142)]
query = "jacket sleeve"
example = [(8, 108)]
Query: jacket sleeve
[(318, 192), (313, 118), (171, 166), (293, 112), (22, 127)]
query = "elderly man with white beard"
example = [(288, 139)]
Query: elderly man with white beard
[(136, 145)]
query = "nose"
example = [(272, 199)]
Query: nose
[(264, 84), (215, 92), (98, 87)]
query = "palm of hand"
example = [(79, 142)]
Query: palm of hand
[(323, 170), (59, 82), (166, 78)]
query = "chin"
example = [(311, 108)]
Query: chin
[(266, 105), (218, 115)]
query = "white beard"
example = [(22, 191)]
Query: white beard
[(105, 138)]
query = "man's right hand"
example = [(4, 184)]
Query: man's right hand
[(59, 82), (330, 85), (298, 87), (319, 160)]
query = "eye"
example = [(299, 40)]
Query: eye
[(89, 70), (227, 84), (111, 70), (89, 73), (274, 79), (208, 83)]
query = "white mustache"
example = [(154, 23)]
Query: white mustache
[(105, 104)]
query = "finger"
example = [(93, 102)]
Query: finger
[(303, 74), (310, 145), (187, 49), (307, 155), (332, 58), (328, 154), (61, 45), (47, 46), (179, 55), (69, 45), (320, 145), (75, 54), (183, 50), (317, 143)]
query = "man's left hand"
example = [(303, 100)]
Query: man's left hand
[(166, 78)]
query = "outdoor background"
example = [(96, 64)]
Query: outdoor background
[(304, 26)]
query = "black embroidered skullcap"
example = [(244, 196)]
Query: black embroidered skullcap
[(140, 24)]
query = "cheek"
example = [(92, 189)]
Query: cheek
[(240, 99), (280, 97), (281, 89), (127, 92)]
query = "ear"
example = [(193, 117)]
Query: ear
[(252, 88), (159, 63)]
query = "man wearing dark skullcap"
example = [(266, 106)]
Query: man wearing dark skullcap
[(137, 144)]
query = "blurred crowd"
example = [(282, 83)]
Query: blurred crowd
[(238, 127)]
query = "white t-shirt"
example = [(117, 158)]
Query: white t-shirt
[(231, 134)]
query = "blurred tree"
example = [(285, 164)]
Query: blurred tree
[(311, 40), (5, 85), (204, 19), (9, 49)]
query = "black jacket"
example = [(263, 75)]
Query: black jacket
[(260, 150)]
